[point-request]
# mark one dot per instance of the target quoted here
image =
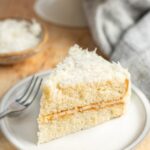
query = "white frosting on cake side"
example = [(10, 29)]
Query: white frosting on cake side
[(83, 66)]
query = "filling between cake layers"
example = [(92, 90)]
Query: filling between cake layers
[(81, 109), (66, 98)]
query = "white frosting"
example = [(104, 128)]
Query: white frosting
[(82, 66), (17, 35)]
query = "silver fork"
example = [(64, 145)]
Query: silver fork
[(25, 100)]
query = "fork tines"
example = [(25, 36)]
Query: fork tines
[(31, 91)]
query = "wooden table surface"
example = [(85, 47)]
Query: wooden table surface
[(60, 39)]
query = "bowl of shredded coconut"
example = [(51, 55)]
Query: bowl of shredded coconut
[(20, 39)]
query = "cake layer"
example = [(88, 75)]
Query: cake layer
[(80, 95), (72, 111), (78, 121)]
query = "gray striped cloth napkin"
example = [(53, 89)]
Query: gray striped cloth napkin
[(121, 28)]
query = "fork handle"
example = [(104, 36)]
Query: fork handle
[(4, 113)]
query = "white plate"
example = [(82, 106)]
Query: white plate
[(121, 133), (62, 12)]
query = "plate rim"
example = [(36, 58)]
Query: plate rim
[(145, 101)]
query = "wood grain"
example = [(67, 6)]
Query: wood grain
[(61, 38)]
